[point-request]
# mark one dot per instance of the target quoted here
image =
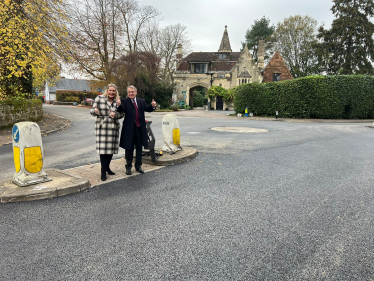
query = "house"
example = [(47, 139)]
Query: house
[(276, 70), (67, 84), (222, 68)]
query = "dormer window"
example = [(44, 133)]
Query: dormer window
[(199, 68), (222, 56)]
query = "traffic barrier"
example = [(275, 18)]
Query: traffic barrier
[(28, 154), (171, 133)]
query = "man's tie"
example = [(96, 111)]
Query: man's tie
[(137, 122)]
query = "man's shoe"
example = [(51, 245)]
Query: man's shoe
[(103, 176), (128, 171), (140, 170)]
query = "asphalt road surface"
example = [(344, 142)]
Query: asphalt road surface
[(293, 203)]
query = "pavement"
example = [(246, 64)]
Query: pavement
[(83, 178)]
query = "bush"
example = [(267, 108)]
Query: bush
[(62, 95), (343, 96), (72, 99), (198, 99), (163, 94), (174, 107)]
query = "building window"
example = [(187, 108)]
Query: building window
[(199, 68), (222, 56), (220, 85), (276, 77), (220, 75)]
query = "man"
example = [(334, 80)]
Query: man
[(134, 130)]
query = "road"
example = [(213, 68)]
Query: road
[(293, 203)]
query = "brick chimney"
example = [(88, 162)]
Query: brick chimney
[(261, 54)]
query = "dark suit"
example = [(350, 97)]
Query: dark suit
[(131, 134)]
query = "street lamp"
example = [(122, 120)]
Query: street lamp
[(211, 78)]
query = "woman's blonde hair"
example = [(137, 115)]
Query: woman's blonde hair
[(107, 88)]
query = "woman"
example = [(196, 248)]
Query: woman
[(107, 127)]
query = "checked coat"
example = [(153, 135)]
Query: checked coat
[(128, 108), (106, 128)]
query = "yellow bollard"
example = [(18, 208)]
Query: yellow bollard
[(28, 154), (171, 133)]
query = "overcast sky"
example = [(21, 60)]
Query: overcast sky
[(206, 20)]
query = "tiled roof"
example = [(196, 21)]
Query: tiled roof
[(209, 56), (183, 66), (217, 65), (222, 65), (71, 84), (201, 57)]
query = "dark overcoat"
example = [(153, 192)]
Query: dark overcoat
[(128, 108), (106, 128)]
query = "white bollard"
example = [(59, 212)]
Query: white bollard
[(171, 133), (28, 154)]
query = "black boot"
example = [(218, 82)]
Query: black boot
[(103, 161), (110, 172)]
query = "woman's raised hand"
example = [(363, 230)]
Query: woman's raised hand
[(118, 101)]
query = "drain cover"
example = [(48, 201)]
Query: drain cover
[(239, 130)]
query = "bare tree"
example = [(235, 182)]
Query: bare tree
[(135, 19), (95, 36), (163, 43)]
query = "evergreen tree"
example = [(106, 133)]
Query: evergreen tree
[(349, 43), (261, 29)]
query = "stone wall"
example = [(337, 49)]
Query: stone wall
[(12, 112)]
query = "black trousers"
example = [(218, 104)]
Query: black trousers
[(129, 153)]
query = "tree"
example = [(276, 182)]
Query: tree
[(261, 29), (104, 30), (32, 34), (349, 42), (95, 36), (139, 69), (135, 18), (295, 39), (163, 43)]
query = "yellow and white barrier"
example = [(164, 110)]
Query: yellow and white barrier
[(171, 133), (28, 154)]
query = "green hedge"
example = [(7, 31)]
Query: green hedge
[(325, 97), (62, 95)]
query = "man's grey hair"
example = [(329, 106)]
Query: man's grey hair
[(132, 87)]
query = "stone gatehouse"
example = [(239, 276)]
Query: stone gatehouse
[(222, 68)]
